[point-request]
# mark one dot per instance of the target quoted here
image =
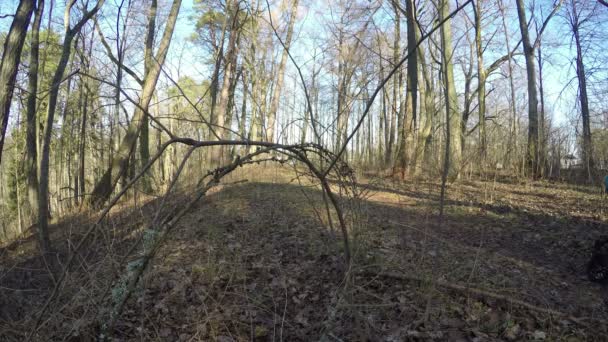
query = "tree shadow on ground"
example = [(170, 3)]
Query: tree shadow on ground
[(271, 270), (257, 262)]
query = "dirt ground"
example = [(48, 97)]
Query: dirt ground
[(259, 261)]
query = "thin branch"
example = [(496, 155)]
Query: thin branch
[(545, 23), (135, 103), (113, 58)]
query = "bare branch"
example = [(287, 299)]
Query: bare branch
[(113, 58)]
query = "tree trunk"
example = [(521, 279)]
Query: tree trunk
[(103, 189), (532, 150), (587, 150), (30, 139), (453, 115), (513, 129), (382, 119), (426, 121), (399, 114), (343, 84), (391, 123), (223, 108), (412, 83), (13, 44), (274, 104), (242, 126), (82, 143), (481, 90), (542, 122), (144, 134), (215, 78), (43, 208)]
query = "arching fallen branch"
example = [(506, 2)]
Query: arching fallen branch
[(155, 235), (309, 154)]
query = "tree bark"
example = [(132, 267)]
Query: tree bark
[(391, 120), (453, 115), (481, 90), (144, 135), (426, 116), (587, 150), (411, 102), (532, 150), (9, 65), (31, 170)]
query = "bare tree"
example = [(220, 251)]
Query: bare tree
[(43, 201), (274, 104), (104, 187), (574, 18), (30, 167), (532, 154), (453, 114)]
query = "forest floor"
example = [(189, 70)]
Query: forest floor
[(257, 261)]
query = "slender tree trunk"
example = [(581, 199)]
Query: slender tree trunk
[(513, 131), (587, 150), (19, 207), (82, 110), (343, 84), (542, 122), (30, 139), (82, 143), (455, 121), (274, 104), (481, 91), (43, 199), (68, 118), (223, 107), (383, 131), (230, 107), (11, 55), (103, 189), (41, 116), (215, 79), (426, 121), (411, 102), (121, 42), (313, 91), (448, 123), (242, 126), (144, 134), (398, 112), (532, 150), (391, 125)]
